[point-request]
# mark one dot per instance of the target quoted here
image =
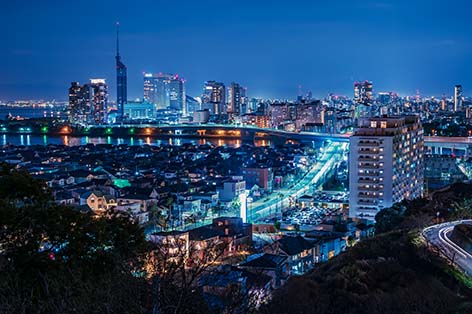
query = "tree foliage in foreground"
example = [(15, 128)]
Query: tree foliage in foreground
[(54, 259)]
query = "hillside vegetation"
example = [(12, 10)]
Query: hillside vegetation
[(394, 272)]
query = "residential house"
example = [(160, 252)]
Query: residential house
[(300, 253), (327, 244), (275, 266)]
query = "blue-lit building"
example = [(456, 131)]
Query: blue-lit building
[(139, 110), (165, 91), (192, 104), (177, 99)]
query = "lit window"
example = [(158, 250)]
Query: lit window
[(373, 124)]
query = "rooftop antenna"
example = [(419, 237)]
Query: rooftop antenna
[(117, 39)]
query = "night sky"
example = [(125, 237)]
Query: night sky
[(271, 47)]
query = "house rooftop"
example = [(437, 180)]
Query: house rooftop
[(267, 261)]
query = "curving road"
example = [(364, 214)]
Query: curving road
[(438, 235)]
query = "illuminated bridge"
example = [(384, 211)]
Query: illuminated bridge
[(235, 131), (461, 146), (434, 144)]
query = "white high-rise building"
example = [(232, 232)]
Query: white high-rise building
[(385, 164), (457, 98)]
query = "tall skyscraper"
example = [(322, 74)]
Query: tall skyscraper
[(177, 99), (363, 92), (165, 91), (237, 100), (457, 98), (150, 86), (80, 106), (214, 97), (363, 97), (99, 100), (385, 164), (88, 103), (121, 77)]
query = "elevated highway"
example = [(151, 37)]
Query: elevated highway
[(435, 144)]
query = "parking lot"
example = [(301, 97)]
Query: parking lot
[(312, 215)]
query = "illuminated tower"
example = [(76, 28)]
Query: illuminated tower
[(121, 80)]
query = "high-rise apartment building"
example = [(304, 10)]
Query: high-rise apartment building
[(237, 101), (79, 103), (88, 103), (214, 97), (99, 100), (121, 79), (457, 98), (385, 164)]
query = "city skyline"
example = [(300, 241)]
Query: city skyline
[(271, 49)]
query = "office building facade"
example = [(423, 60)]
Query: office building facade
[(165, 91), (385, 164), (237, 100), (150, 88), (214, 97), (177, 97)]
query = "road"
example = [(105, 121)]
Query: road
[(332, 153), (280, 199), (438, 235)]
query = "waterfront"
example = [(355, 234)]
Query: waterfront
[(32, 112), (31, 139)]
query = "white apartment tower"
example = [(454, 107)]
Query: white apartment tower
[(385, 164), (457, 98)]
